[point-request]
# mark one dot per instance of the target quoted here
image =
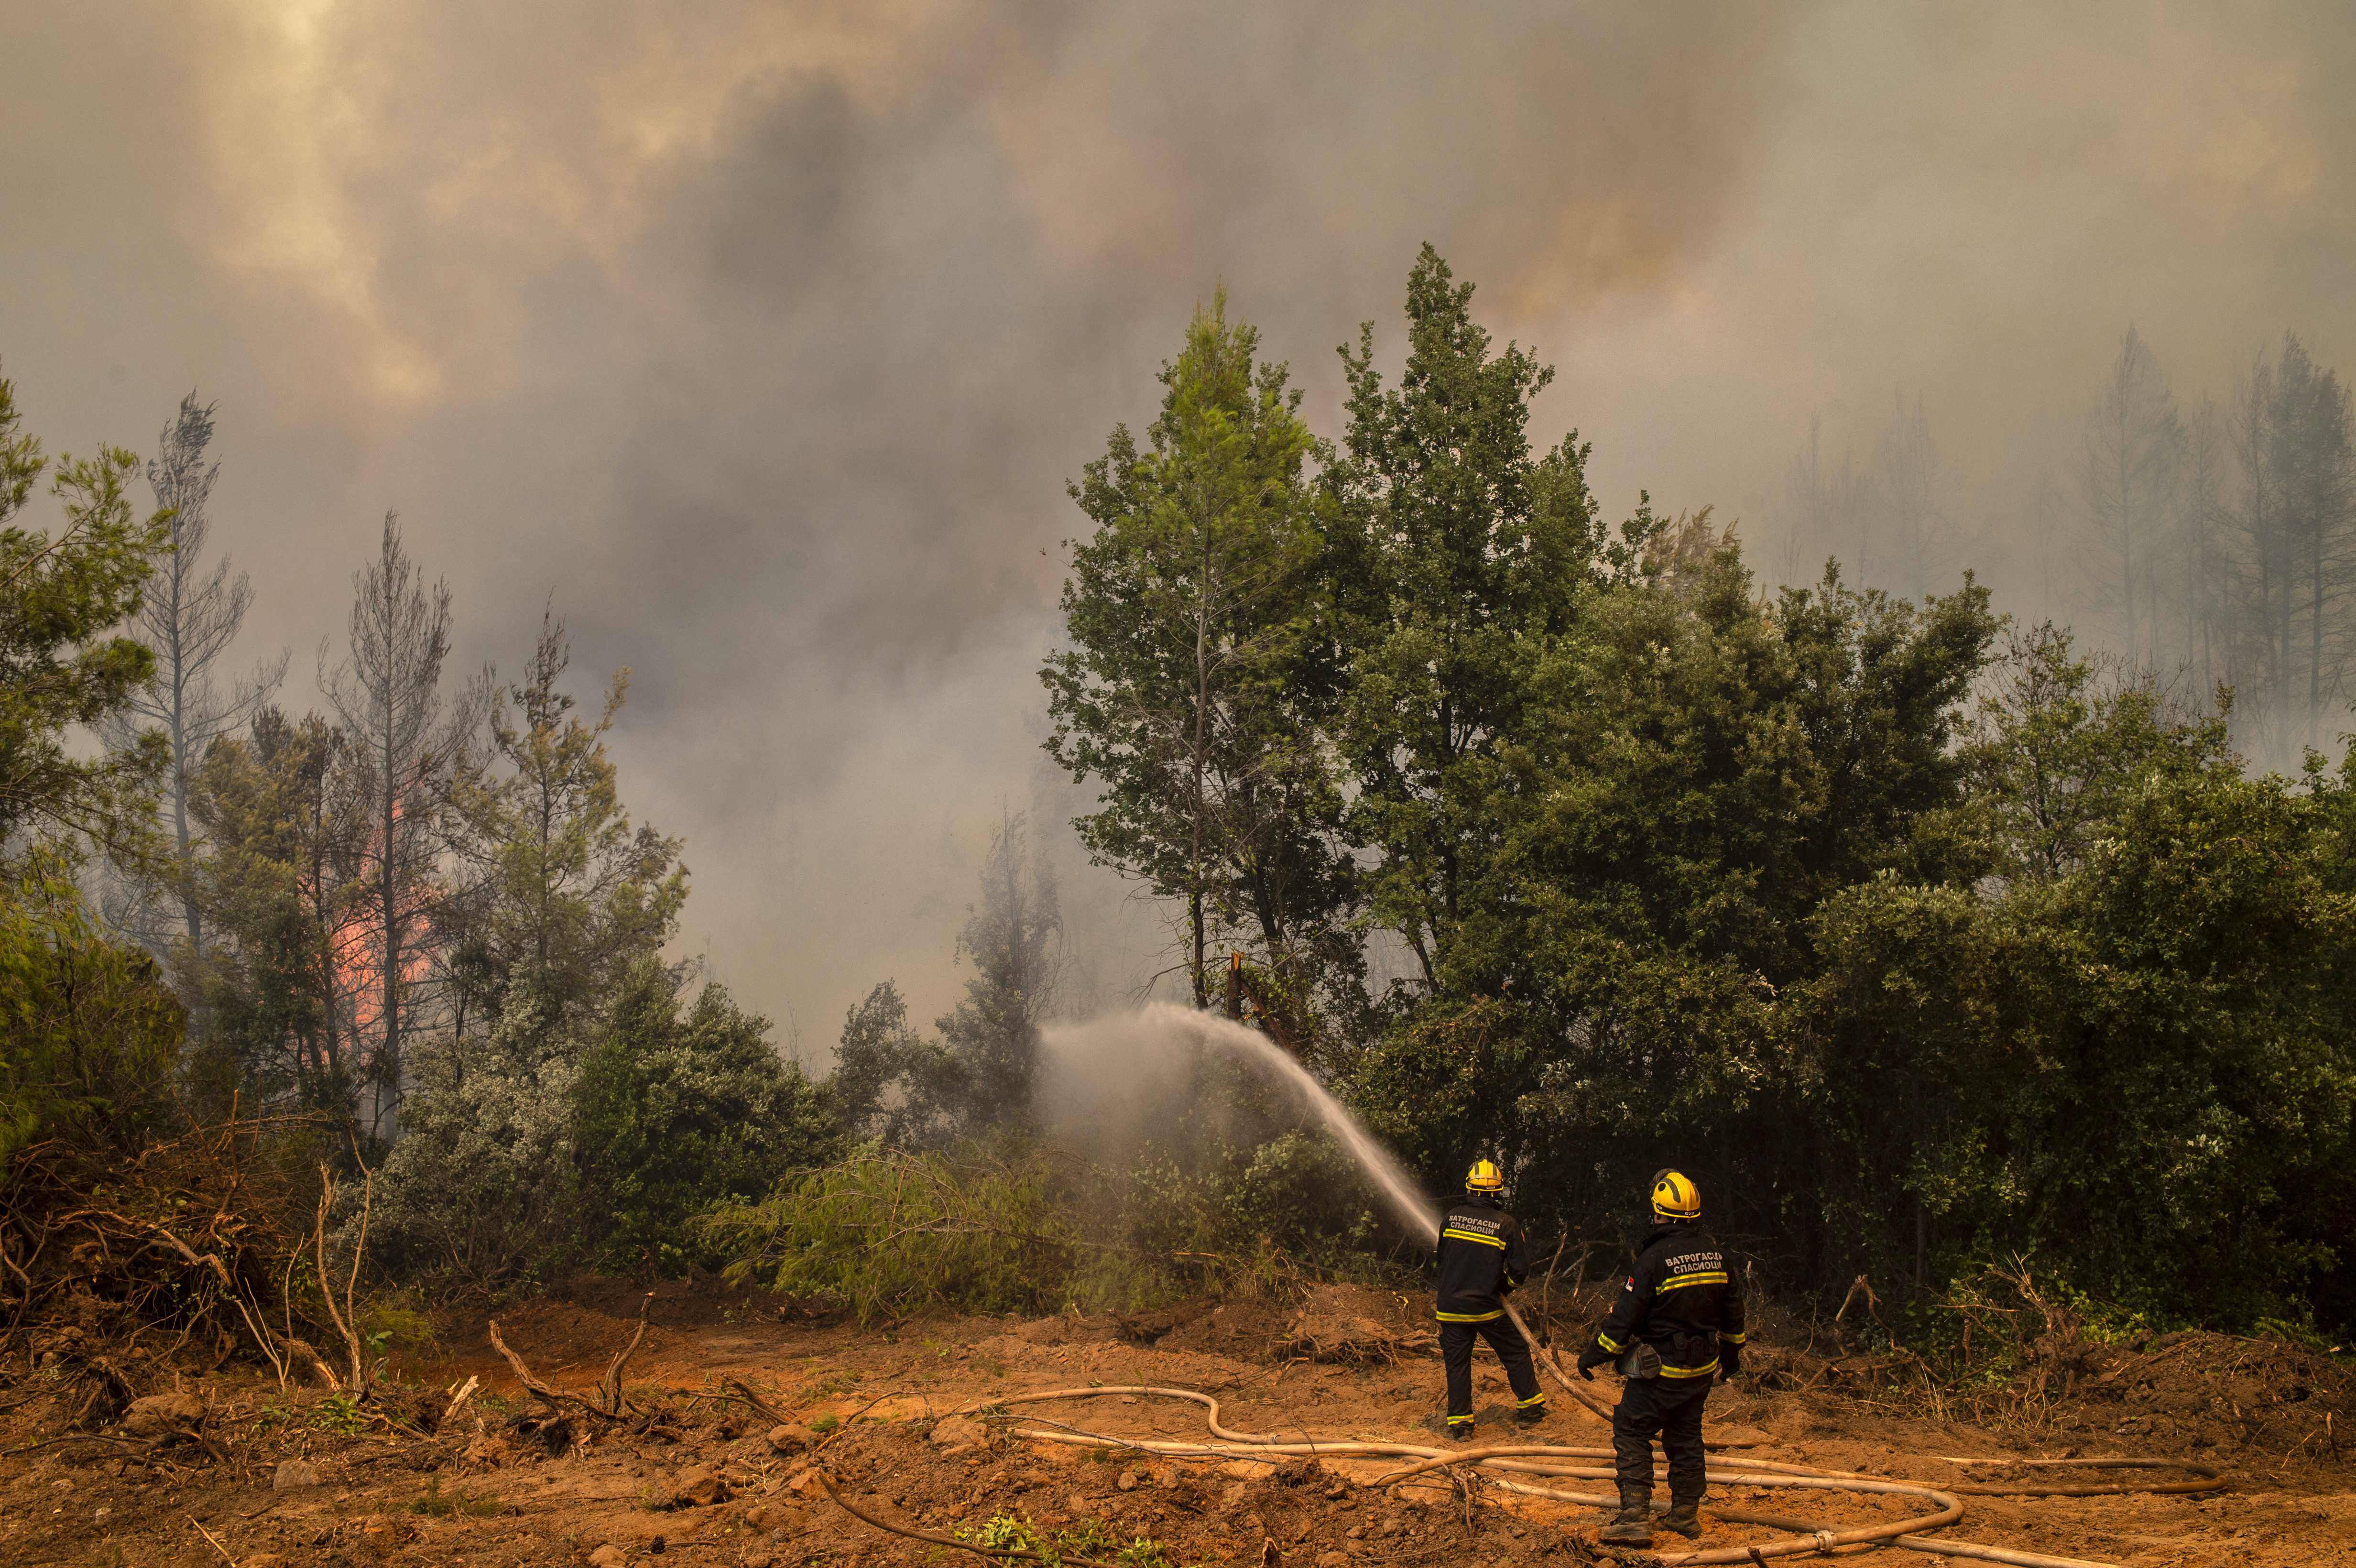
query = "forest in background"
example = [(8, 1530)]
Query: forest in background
[(1925, 939), (2203, 541)]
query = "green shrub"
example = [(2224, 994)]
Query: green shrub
[(482, 1185), (88, 1031), (536, 1150), (1014, 1226), (678, 1108), (886, 1232)]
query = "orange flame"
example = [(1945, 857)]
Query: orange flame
[(356, 947)]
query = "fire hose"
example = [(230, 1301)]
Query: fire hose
[(1809, 1538)]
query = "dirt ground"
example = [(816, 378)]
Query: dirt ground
[(698, 1477)]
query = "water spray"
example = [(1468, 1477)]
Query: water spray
[(1242, 1041)]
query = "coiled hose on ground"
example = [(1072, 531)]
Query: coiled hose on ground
[(1810, 1538), (1943, 1505)]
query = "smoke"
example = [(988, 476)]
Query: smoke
[(763, 337)]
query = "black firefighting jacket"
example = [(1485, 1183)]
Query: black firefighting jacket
[(1682, 1300), (1482, 1255)]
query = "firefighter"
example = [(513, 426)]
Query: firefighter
[(1676, 1326), (1483, 1255)]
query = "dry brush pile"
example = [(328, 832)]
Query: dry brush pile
[(120, 1273)]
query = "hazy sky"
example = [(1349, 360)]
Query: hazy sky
[(762, 337)]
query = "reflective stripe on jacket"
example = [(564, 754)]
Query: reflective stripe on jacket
[(1483, 1255), (1682, 1299)]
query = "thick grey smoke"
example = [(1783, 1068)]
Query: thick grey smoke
[(763, 337)]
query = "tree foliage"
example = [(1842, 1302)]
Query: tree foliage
[(89, 1035), (88, 1032), (678, 1108), (62, 664), (564, 893), (1201, 660), (1917, 938)]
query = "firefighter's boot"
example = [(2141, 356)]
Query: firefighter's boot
[(1684, 1516), (1633, 1525)]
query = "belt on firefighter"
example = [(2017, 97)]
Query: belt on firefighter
[(1669, 1371)]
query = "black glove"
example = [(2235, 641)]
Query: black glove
[(1730, 1363), (1590, 1359)]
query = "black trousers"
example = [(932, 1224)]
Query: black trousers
[(1456, 1353), (1669, 1409)]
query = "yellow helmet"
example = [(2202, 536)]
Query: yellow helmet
[(1674, 1197), (1484, 1176)]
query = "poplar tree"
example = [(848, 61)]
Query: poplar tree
[(1201, 660)]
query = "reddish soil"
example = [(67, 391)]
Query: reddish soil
[(486, 1489)]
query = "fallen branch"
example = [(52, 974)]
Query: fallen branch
[(760, 1406), (610, 1389), (555, 1398), (279, 1364), (81, 1438), (458, 1397)]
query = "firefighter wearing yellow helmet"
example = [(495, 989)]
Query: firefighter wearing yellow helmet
[(1483, 1255), (1676, 1326)]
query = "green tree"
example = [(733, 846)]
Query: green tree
[(88, 1031), (2127, 1048), (1695, 774), (279, 891), (677, 1108), (1465, 555), (889, 1083), (60, 663), (1013, 934), (563, 893), (1200, 662), (2059, 741)]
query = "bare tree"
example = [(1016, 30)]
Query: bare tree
[(2207, 574), (1918, 547), (2311, 450), (187, 618), (2293, 527), (404, 740), (2127, 488), (1821, 505)]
